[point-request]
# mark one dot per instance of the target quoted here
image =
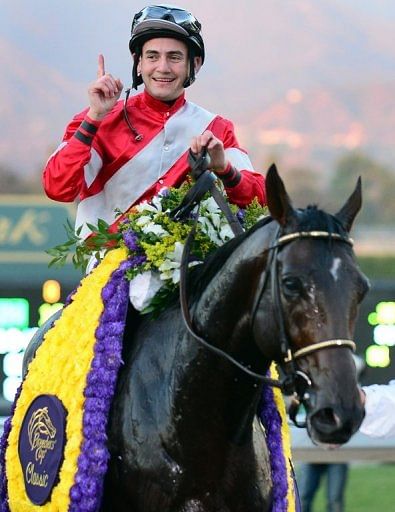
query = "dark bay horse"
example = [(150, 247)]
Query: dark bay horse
[(183, 434)]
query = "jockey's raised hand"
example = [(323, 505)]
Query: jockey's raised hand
[(215, 149), (103, 93)]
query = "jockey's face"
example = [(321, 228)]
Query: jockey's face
[(164, 67)]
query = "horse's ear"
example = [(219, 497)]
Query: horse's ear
[(349, 211), (278, 201)]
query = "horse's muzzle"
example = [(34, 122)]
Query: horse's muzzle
[(332, 425)]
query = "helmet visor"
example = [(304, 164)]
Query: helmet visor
[(171, 15)]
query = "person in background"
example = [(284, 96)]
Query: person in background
[(379, 403), (116, 154), (311, 474)]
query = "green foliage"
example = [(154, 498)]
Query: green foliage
[(253, 213), (382, 267), (80, 251)]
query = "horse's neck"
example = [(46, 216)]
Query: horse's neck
[(210, 394), (221, 315), (224, 308)]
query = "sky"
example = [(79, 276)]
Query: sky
[(69, 35), (257, 51)]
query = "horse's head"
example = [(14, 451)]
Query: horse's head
[(40, 424), (316, 288)]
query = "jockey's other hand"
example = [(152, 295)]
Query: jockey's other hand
[(215, 149), (103, 93)]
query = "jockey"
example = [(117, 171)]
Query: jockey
[(117, 153)]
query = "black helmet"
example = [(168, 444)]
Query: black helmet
[(166, 21)]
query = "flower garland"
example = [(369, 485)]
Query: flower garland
[(86, 491), (95, 316), (155, 241), (273, 416)]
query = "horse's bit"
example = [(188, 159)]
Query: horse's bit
[(295, 381)]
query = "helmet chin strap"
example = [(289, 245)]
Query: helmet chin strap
[(136, 78), (191, 78)]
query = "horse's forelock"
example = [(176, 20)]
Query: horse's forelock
[(312, 218)]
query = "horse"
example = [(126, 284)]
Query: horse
[(183, 433)]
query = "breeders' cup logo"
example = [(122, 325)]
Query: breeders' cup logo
[(41, 432), (42, 438)]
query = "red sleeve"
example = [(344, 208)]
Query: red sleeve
[(251, 184), (63, 175)]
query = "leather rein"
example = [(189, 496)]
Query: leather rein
[(295, 381)]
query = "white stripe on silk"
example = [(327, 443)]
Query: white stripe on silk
[(92, 168), (61, 145), (239, 159)]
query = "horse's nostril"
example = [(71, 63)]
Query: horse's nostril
[(326, 420)]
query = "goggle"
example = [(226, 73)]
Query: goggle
[(162, 12)]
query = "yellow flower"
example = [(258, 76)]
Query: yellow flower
[(60, 368), (286, 439)]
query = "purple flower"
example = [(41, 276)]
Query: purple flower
[(137, 260), (131, 240), (85, 495), (271, 420), (241, 215)]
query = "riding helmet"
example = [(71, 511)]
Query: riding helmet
[(166, 21)]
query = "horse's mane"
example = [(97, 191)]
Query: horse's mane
[(306, 219), (201, 275)]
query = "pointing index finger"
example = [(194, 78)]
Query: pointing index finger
[(100, 68)]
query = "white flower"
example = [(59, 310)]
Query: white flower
[(157, 202), (145, 207), (143, 288), (143, 220), (209, 229), (170, 268), (226, 232), (156, 229), (210, 205)]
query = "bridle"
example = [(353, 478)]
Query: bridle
[(295, 382)]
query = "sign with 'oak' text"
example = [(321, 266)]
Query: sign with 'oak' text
[(29, 225)]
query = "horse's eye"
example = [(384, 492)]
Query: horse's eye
[(292, 286)]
